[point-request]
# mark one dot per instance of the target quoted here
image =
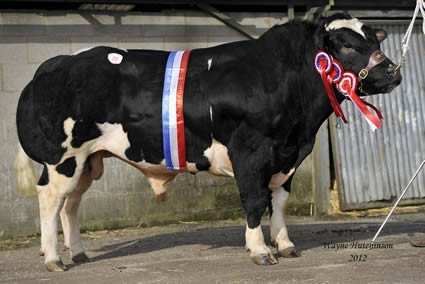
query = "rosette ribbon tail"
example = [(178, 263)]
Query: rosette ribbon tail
[(332, 97), (373, 121)]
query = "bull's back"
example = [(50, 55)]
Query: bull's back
[(85, 87)]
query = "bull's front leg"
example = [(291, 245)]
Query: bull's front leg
[(252, 173), (278, 231)]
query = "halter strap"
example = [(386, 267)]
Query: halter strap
[(376, 58)]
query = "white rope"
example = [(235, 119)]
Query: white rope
[(420, 6), (398, 200)]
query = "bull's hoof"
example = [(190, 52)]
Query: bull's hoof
[(289, 252), (55, 266), (41, 253), (418, 243), (81, 258), (264, 259)]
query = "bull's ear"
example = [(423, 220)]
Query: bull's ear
[(381, 34)]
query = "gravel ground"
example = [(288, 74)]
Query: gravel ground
[(214, 253)]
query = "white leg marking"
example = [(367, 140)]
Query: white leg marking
[(51, 198), (255, 241), (69, 215), (71, 224), (50, 205), (65, 227), (278, 231)]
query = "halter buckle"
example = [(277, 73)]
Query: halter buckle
[(363, 74)]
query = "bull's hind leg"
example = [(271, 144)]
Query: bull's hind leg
[(62, 179), (70, 221), (93, 169), (278, 231)]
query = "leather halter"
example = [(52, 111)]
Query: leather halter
[(376, 58)]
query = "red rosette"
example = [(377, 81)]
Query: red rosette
[(348, 82), (336, 72), (323, 61)]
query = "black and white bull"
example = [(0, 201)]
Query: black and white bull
[(251, 110)]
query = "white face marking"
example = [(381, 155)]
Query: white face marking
[(82, 50), (219, 159), (278, 231), (255, 241), (209, 64), (279, 179), (68, 125), (353, 24)]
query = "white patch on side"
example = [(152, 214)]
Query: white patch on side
[(115, 58), (255, 241), (279, 179), (219, 160), (278, 231), (114, 139), (82, 50), (123, 49), (353, 24), (68, 125), (211, 114), (209, 64), (191, 167)]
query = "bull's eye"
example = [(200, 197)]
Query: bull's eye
[(347, 45)]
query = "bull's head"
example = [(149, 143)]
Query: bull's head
[(357, 47)]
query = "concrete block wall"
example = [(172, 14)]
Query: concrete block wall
[(122, 197)]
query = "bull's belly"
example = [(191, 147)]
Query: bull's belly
[(115, 141)]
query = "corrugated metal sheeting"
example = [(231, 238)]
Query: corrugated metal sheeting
[(377, 166)]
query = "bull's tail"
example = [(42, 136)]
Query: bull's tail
[(26, 180)]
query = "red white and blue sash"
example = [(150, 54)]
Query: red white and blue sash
[(172, 110)]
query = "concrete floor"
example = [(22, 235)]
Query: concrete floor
[(214, 253)]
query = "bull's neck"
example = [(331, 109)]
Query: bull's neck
[(300, 82)]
